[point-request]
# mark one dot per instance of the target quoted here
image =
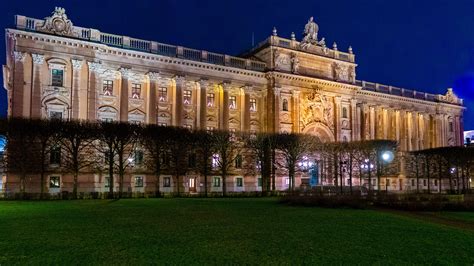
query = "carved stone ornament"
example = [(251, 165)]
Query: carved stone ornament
[(282, 61), (19, 56), (77, 63), (295, 63), (58, 23), (341, 72), (102, 71), (450, 97), (38, 59), (316, 108)]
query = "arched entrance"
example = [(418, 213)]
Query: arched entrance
[(319, 130)]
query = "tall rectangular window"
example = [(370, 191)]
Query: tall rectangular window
[(139, 181), (167, 182), (138, 157), (259, 182), (57, 77), (107, 181), (54, 182), (232, 102), (187, 96), (108, 87), (163, 94), (136, 90), (55, 155), (216, 182), (238, 161), (210, 99), (55, 115), (239, 181), (253, 104)]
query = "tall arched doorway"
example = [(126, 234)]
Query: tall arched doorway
[(319, 130)]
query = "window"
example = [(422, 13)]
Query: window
[(344, 112), (55, 155), (216, 182), (54, 182), (285, 105), (108, 87), (424, 182), (210, 99), (138, 157), (239, 182), (106, 119), (57, 77), (387, 182), (413, 182), (107, 181), (259, 182), (232, 134), (192, 160), (163, 94), (139, 181), (238, 161), (215, 160), (187, 97), (287, 181), (232, 102), (163, 124), (136, 90), (253, 104), (55, 115), (210, 129), (451, 127), (188, 127), (167, 182), (165, 159), (436, 182)]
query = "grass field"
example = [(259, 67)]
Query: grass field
[(220, 231)]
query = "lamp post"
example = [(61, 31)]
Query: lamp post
[(387, 157)]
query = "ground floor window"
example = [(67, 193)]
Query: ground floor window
[(167, 182), (259, 181), (54, 182), (216, 182), (413, 182), (239, 182), (436, 182), (287, 181), (139, 181), (424, 182), (107, 181)]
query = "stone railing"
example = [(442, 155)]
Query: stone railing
[(376, 87), (31, 24), (313, 49)]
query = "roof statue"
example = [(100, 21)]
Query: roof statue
[(311, 35), (58, 23)]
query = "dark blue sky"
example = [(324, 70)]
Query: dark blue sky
[(422, 45)]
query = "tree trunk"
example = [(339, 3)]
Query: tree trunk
[(74, 189)]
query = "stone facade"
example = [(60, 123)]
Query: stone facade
[(55, 69)]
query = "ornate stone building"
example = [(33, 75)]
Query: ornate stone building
[(55, 69)]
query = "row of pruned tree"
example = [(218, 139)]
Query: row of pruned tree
[(36, 147), (451, 165)]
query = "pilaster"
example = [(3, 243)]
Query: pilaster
[(76, 84)]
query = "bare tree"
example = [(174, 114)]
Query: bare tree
[(228, 147), (205, 150), (178, 152), (260, 147)]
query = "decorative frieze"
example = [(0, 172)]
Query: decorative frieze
[(19, 56)]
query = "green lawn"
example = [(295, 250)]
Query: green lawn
[(219, 231)]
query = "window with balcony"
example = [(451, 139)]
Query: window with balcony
[(253, 104), (187, 94), (233, 102), (57, 77), (163, 94), (210, 99), (136, 90), (108, 87)]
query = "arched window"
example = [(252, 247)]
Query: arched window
[(344, 112), (285, 105)]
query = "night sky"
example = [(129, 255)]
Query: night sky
[(422, 45)]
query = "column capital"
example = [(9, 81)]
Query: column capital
[(295, 93), (277, 91), (226, 86), (77, 63), (38, 59), (131, 76), (19, 56), (94, 66)]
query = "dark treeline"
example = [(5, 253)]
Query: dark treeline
[(38, 147)]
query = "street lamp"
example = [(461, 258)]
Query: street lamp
[(387, 157)]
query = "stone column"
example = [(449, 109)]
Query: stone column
[(224, 107), (372, 122), (276, 110), (365, 122), (92, 90), (337, 120), (178, 101), (246, 93), (124, 93), (295, 95), (202, 106), (17, 91), (355, 124), (76, 85), (35, 100), (403, 130)]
